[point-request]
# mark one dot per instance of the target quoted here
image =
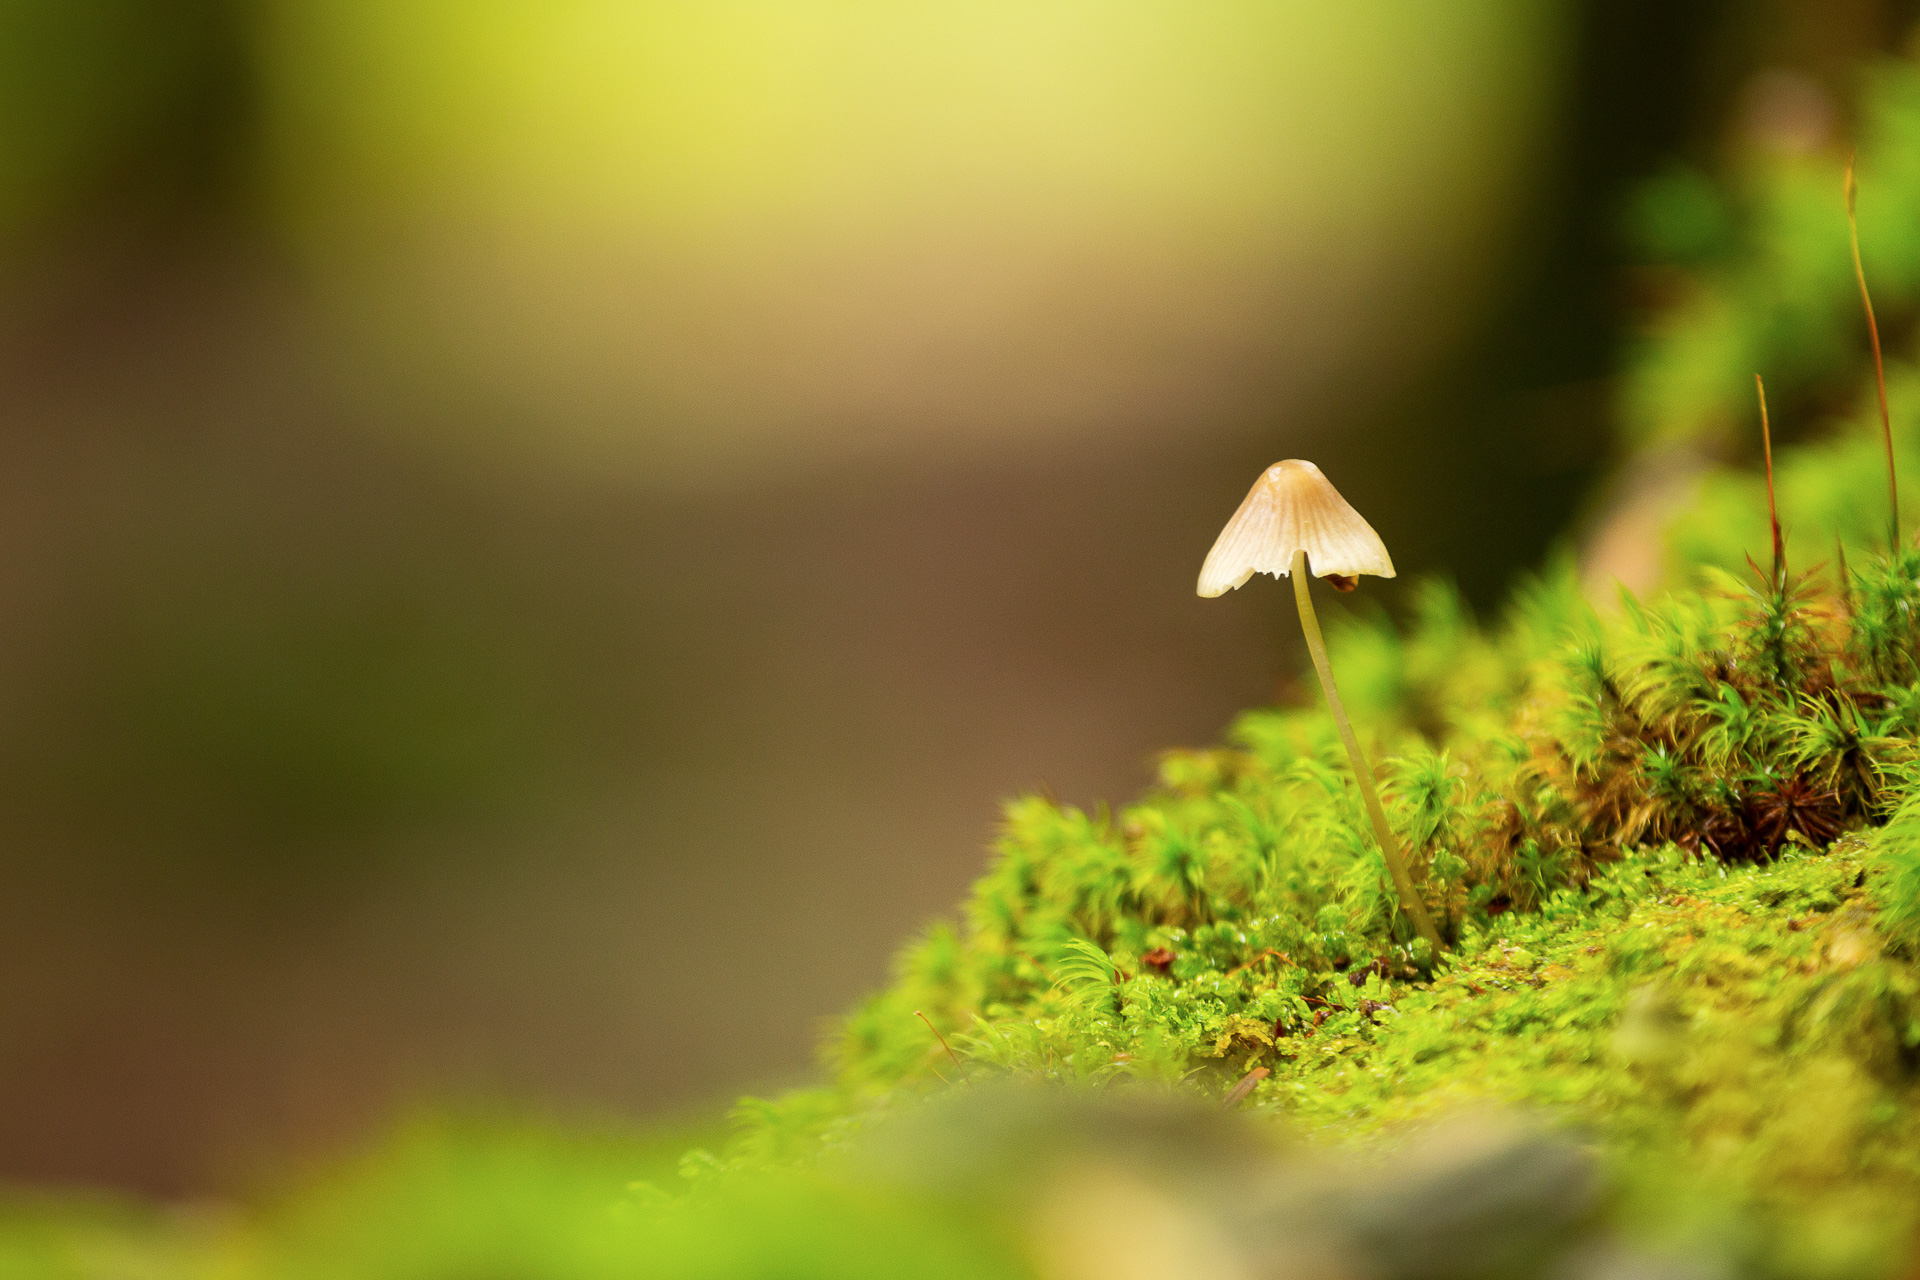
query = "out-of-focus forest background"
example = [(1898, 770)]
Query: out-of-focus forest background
[(535, 536)]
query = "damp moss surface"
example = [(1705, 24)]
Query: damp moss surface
[(1677, 924)]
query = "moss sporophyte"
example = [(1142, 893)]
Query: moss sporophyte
[(1292, 522)]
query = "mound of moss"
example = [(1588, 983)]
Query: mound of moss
[(1651, 829), (1225, 917), (1646, 835), (1673, 842)]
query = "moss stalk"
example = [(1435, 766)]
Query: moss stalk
[(1879, 367), (1773, 512)]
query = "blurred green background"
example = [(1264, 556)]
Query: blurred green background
[(534, 536)]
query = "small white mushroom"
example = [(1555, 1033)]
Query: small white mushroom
[(1294, 523), (1293, 507)]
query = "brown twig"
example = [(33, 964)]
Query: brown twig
[(1265, 953), (1879, 368), (1773, 512), (942, 1039), (1846, 582), (1238, 1094)]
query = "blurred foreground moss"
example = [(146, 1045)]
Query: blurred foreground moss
[(489, 1200)]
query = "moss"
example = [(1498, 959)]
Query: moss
[(1651, 835), (1674, 844), (1652, 831), (1732, 722)]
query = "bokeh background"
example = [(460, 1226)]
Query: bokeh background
[(535, 534)]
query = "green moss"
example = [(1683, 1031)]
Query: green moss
[(1650, 835), (1733, 722), (1673, 842), (1651, 831)]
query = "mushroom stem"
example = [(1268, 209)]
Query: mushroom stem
[(1389, 846)]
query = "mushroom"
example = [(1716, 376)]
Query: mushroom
[(1294, 522)]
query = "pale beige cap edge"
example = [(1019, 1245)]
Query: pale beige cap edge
[(1293, 507)]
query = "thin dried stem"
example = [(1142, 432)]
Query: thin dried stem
[(1773, 512), (942, 1039), (1879, 367), (1846, 582), (1238, 1094), (1389, 845)]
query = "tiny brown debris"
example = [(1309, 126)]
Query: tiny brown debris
[(1239, 1092), (1159, 959), (1265, 953), (1358, 977)]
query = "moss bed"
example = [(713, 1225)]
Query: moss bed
[(1673, 842), (1677, 924)]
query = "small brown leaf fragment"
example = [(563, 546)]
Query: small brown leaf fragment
[(1159, 959), (1238, 1094)]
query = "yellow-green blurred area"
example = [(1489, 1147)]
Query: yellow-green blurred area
[(715, 240), (534, 536)]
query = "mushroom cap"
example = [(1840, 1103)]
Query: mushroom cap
[(1292, 507)]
